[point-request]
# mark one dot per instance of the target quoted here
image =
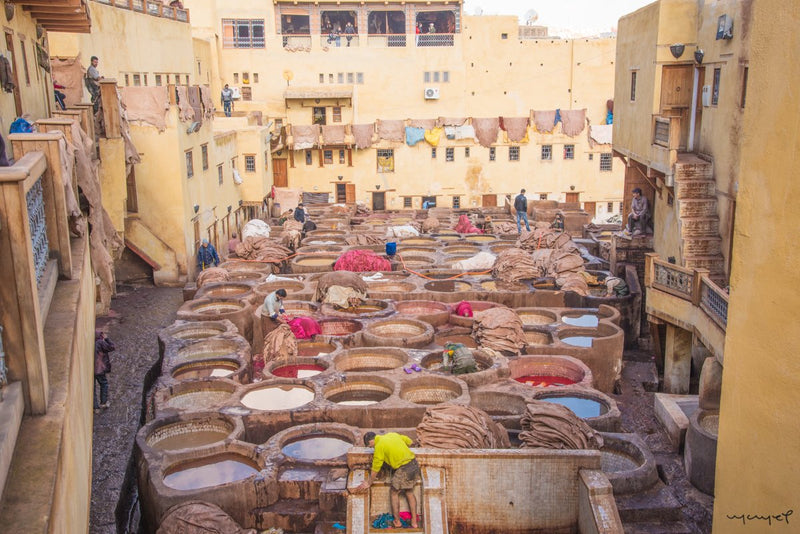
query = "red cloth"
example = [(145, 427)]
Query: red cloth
[(304, 327), (359, 261), (464, 226), (463, 309)]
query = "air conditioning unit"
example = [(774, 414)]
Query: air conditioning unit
[(706, 96), (431, 93)]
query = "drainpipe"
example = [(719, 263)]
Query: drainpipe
[(693, 111)]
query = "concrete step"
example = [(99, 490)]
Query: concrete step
[(706, 207), (695, 189), (693, 169), (304, 484), (656, 504), (702, 246), (294, 515), (699, 227), (658, 527), (333, 493)]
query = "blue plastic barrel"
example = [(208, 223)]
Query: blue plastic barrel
[(391, 249)]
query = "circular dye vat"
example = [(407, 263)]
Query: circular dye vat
[(613, 461), (429, 391), (544, 380), (582, 407), (189, 434), (297, 371), (197, 330), (391, 287), (209, 350), (499, 285), (210, 472), (206, 369), (538, 338), (448, 237), (418, 241), (416, 261), (224, 289), (318, 261), (367, 360), (217, 308), (196, 400), (356, 397), (586, 320), (278, 398), (335, 327), (458, 249), (578, 341), (464, 339), (710, 423), (533, 318), (312, 348), (317, 448), (447, 286), (479, 238)]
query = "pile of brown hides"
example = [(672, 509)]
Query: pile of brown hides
[(341, 288), (548, 425), (430, 225), (541, 238), (499, 329), (263, 249), (280, 344), (364, 239), (514, 264), (451, 426), (200, 518), (214, 274), (292, 234)]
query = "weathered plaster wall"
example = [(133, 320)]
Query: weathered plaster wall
[(757, 454), (112, 180)]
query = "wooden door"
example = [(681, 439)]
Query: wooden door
[(350, 193), (378, 201), (676, 95), (280, 177), (130, 183), (489, 201), (573, 197), (341, 193), (14, 78), (590, 208)]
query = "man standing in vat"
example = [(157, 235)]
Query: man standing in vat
[(392, 448), (521, 206)]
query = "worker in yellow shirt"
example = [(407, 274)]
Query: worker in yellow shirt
[(392, 448)]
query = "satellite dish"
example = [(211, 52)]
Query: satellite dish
[(531, 16), (478, 11)]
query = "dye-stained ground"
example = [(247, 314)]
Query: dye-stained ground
[(140, 311)]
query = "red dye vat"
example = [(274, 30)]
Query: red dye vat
[(544, 380), (298, 371)]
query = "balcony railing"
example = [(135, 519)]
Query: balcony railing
[(386, 40), (296, 41), (435, 39), (150, 7), (692, 285), (341, 41)]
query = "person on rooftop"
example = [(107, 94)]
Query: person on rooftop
[(226, 97), (92, 82)]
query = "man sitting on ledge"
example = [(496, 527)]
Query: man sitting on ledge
[(639, 215)]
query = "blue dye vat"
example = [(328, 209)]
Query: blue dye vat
[(578, 341), (583, 408), (587, 320), (321, 448)]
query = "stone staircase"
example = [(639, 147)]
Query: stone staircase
[(695, 193)]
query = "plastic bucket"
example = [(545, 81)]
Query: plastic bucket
[(391, 248)]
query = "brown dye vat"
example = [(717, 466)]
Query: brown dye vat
[(418, 241), (262, 290), (396, 329), (536, 317), (359, 391), (447, 286), (278, 397), (450, 260), (208, 472), (252, 266), (434, 361), (430, 311), (614, 461), (464, 339), (206, 369), (339, 327), (391, 287), (198, 399), (368, 360), (460, 249), (310, 448), (217, 307), (498, 403), (415, 250), (499, 285), (314, 348), (195, 331), (224, 289), (321, 260), (326, 233), (481, 238), (189, 434), (447, 237), (209, 349), (300, 307), (362, 310), (416, 261), (368, 308), (430, 390), (246, 276), (538, 338)]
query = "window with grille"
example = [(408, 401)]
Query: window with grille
[(569, 151), (158, 80), (610, 207), (466, 151), (187, 79), (542, 196), (359, 77), (266, 159), (308, 157), (350, 77), (318, 115), (605, 162), (426, 77), (255, 77), (340, 77), (189, 164), (341, 156), (445, 76), (247, 94), (385, 160), (220, 172), (513, 153), (492, 153), (591, 157), (436, 76), (450, 154), (433, 153), (547, 152), (127, 80), (407, 202), (235, 78), (715, 87), (633, 86), (456, 202), (243, 33), (336, 114), (249, 163), (204, 155), (327, 157), (137, 80), (330, 78)]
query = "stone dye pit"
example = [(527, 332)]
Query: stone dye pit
[(281, 452)]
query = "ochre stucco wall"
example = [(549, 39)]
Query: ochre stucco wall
[(758, 454), (112, 180)]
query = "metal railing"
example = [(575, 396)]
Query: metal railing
[(293, 42), (34, 200), (150, 7), (341, 41), (387, 40), (673, 279), (243, 42), (435, 39), (714, 301)]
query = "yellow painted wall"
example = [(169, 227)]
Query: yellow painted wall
[(112, 180), (36, 90), (128, 42), (758, 454)]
